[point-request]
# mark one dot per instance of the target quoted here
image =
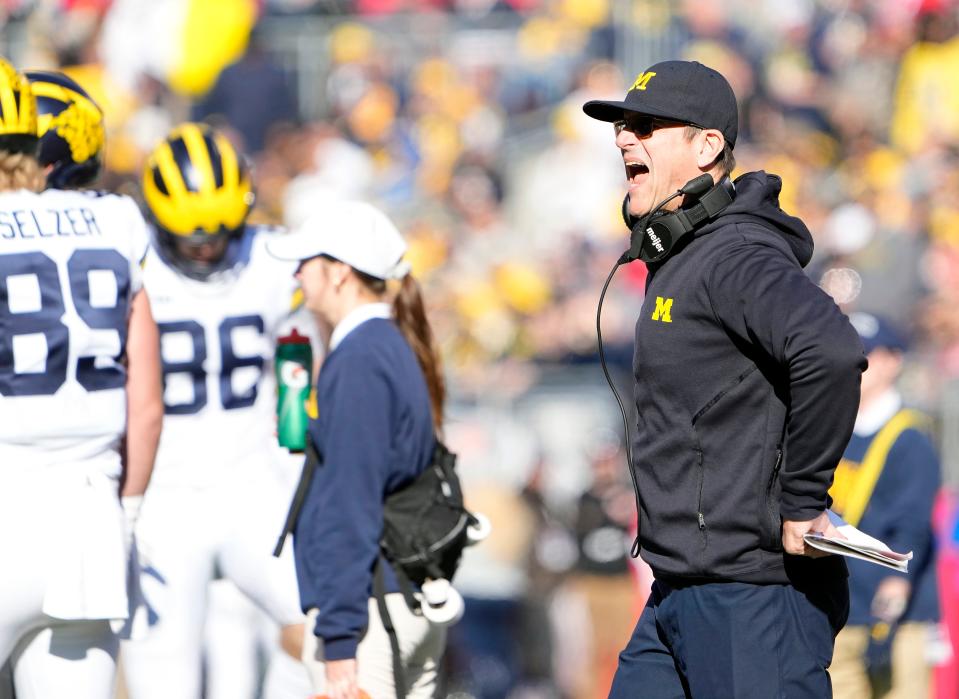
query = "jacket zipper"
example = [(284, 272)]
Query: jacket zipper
[(776, 467), (699, 505), (770, 505), (719, 396)]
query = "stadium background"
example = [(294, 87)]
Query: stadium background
[(462, 119)]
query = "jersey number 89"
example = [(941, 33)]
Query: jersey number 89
[(21, 275)]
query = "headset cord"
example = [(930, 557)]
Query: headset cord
[(634, 550)]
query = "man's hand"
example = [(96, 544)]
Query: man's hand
[(793, 532), (341, 679), (891, 599)]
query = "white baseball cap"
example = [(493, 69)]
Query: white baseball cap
[(353, 232)]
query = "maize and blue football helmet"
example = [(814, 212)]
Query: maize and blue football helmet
[(199, 193), (70, 126)]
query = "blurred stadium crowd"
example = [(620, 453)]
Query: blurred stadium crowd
[(462, 119)]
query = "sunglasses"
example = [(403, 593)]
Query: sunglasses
[(643, 125)]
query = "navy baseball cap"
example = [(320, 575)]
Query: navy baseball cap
[(684, 91), (875, 331)]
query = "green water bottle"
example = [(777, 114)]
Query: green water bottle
[(294, 368)]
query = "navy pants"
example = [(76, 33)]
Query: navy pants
[(733, 641)]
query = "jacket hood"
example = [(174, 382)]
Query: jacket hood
[(757, 199)]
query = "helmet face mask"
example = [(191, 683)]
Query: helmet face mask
[(70, 126), (198, 191), (198, 256)]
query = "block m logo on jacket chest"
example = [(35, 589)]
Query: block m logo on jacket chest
[(663, 307)]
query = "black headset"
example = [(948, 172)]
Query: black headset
[(655, 236)]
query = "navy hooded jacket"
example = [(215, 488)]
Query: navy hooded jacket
[(746, 386)]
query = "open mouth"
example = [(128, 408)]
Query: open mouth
[(634, 169)]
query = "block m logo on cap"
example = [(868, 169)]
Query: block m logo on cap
[(642, 80)]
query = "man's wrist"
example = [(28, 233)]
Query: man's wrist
[(801, 509)]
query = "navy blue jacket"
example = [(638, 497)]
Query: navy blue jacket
[(899, 513), (746, 387), (374, 434)]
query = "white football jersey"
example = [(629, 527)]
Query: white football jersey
[(69, 267), (217, 341)]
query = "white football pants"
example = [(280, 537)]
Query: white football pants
[(185, 534), (237, 637), (64, 578), (240, 640)]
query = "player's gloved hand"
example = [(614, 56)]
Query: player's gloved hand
[(135, 625), (131, 512)]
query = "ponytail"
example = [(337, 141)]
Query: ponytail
[(20, 171), (410, 317)]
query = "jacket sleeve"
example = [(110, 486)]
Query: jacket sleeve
[(912, 473), (764, 299), (340, 541)]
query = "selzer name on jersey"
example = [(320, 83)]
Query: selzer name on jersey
[(69, 267), (217, 340)]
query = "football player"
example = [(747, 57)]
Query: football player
[(219, 491), (77, 329), (72, 140)]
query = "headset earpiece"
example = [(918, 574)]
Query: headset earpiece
[(659, 235), (628, 218)]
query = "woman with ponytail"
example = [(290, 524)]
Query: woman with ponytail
[(380, 396)]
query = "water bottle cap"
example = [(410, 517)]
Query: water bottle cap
[(294, 338)]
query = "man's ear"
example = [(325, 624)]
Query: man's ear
[(711, 144)]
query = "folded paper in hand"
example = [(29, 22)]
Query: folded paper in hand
[(858, 544)]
